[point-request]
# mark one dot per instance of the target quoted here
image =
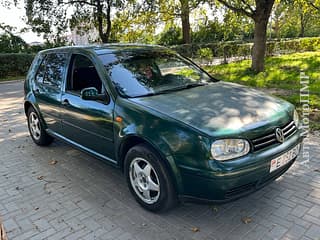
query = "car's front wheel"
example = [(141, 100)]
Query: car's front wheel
[(36, 129), (148, 179)]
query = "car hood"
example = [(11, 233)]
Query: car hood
[(219, 108)]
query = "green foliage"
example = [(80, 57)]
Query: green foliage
[(10, 43), (170, 37), (219, 49), (205, 53), (133, 24), (14, 64), (243, 49), (209, 32), (295, 18)]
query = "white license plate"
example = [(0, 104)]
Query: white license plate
[(284, 158)]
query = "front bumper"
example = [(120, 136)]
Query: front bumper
[(233, 179)]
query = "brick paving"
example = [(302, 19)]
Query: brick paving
[(81, 197)]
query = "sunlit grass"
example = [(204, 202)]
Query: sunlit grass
[(282, 73)]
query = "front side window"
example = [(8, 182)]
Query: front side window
[(52, 69), (83, 74), (153, 73)]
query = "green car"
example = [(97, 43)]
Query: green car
[(175, 131)]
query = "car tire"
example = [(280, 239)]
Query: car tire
[(36, 129), (148, 179)]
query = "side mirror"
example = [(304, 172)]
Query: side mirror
[(91, 93)]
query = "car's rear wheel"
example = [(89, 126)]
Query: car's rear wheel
[(148, 179), (36, 129)]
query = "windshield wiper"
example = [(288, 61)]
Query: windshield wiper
[(182, 87)]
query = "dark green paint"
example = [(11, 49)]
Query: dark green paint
[(180, 125)]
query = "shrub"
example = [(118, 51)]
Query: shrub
[(243, 49), (14, 64)]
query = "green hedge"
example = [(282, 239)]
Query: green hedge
[(243, 49), (14, 64)]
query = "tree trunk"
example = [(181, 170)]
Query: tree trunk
[(108, 21), (277, 28), (302, 24), (185, 11), (259, 44), (102, 35), (260, 17)]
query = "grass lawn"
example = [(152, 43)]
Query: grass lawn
[(281, 77)]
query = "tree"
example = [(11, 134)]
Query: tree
[(51, 15), (279, 17), (170, 36), (314, 4), (171, 9), (306, 11), (134, 24), (9, 42), (259, 11), (295, 18)]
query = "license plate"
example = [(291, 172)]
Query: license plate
[(284, 158)]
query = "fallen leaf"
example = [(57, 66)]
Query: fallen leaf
[(246, 220), (195, 229), (53, 162), (40, 177)]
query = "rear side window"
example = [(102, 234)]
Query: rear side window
[(52, 70)]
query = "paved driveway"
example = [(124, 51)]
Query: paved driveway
[(58, 192)]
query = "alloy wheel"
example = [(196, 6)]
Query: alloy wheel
[(144, 180), (34, 124)]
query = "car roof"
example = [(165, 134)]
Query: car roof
[(101, 49)]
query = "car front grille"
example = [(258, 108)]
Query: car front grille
[(269, 139)]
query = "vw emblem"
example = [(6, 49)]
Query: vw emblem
[(279, 135)]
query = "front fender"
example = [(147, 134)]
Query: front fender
[(178, 144)]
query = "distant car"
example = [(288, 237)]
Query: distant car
[(174, 130)]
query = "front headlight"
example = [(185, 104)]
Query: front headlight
[(296, 118), (225, 149)]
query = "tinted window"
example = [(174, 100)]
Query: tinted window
[(41, 71), (82, 75), (52, 69), (153, 73)]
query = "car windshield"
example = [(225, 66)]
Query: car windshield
[(137, 75)]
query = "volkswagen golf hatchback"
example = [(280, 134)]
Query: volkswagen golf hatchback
[(176, 132)]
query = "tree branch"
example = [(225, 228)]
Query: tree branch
[(248, 5), (314, 6), (77, 1), (236, 9)]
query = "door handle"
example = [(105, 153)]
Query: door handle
[(37, 90), (65, 102)]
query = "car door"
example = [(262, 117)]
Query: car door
[(47, 88), (87, 123)]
